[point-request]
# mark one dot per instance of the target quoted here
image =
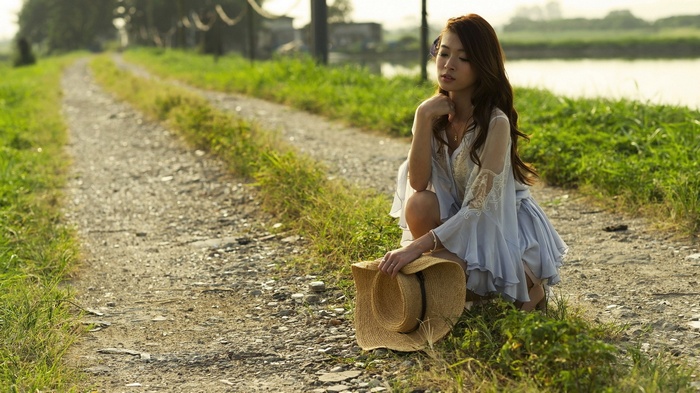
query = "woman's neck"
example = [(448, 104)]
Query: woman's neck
[(463, 106)]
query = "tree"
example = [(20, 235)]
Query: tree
[(24, 55), (67, 24), (339, 11)]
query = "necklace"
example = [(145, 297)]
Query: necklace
[(464, 129)]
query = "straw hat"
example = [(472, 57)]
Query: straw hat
[(403, 313)]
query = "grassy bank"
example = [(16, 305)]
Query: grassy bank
[(495, 348), (605, 44), (641, 156), (36, 251)]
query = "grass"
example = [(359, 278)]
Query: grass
[(636, 157), (37, 252), (494, 348), (601, 36)]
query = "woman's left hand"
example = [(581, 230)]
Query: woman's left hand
[(395, 260)]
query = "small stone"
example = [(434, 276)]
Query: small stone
[(335, 322), (312, 299), (97, 370), (298, 297), (693, 257), (290, 239), (339, 376), (317, 286), (133, 385), (337, 388)]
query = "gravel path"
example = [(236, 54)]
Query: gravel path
[(189, 288)]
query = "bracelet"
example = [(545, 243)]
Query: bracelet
[(435, 241)]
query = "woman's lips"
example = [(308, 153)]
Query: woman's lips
[(446, 78)]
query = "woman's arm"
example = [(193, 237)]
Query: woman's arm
[(420, 155)]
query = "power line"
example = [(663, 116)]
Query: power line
[(226, 19), (200, 25)]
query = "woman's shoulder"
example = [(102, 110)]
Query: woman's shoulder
[(497, 113)]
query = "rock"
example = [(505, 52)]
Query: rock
[(339, 376), (97, 370), (693, 257), (317, 286), (337, 388), (312, 299), (118, 351)]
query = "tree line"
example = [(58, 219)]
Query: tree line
[(214, 26), (615, 20), (66, 25)]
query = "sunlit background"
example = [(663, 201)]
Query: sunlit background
[(669, 81), (399, 13)]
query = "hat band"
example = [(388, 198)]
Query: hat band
[(423, 301)]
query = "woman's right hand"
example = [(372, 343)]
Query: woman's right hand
[(435, 107)]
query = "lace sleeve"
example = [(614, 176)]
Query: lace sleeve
[(486, 184)]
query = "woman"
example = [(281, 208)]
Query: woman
[(464, 187)]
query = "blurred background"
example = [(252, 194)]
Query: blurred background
[(644, 50)]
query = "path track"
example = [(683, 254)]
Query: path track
[(178, 260)]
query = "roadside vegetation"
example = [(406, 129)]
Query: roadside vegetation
[(634, 156), (494, 347), (37, 252)]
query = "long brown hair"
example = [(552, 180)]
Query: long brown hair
[(492, 89)]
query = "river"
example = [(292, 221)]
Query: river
[(666, 81)]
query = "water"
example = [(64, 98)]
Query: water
[(667, 81)]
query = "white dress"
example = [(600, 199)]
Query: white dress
[(489, 219)]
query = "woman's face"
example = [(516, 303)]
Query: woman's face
[(454, 70)]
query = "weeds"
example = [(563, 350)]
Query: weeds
[(36, 251)]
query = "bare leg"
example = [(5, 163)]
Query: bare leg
[(422, 213), (536, 293)]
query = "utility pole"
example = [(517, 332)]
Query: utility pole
[(424, 49), (251, 32), (319, 30)]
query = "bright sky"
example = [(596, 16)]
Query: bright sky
[(395, 13)]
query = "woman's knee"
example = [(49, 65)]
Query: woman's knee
[(423, 206)]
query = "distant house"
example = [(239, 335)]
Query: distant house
[(354, 36), (276, 33)]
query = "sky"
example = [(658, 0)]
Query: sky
[(397, 13)]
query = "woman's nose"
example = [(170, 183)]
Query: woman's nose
[(448, 64)]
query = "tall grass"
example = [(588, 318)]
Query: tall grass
[(640, 155), (493, 348), (36, 251)]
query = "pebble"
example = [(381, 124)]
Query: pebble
[(317, 286)]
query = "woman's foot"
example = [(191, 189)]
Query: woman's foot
[(537, 298)]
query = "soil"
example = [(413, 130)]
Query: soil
[(186, 286)]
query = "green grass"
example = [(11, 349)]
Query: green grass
[(600, 36), (637, 157), (493, 348), (36, 251)]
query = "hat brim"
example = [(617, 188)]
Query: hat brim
[(445, 289)]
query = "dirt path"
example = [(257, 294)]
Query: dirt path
[(180, 271), (189, 287)]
